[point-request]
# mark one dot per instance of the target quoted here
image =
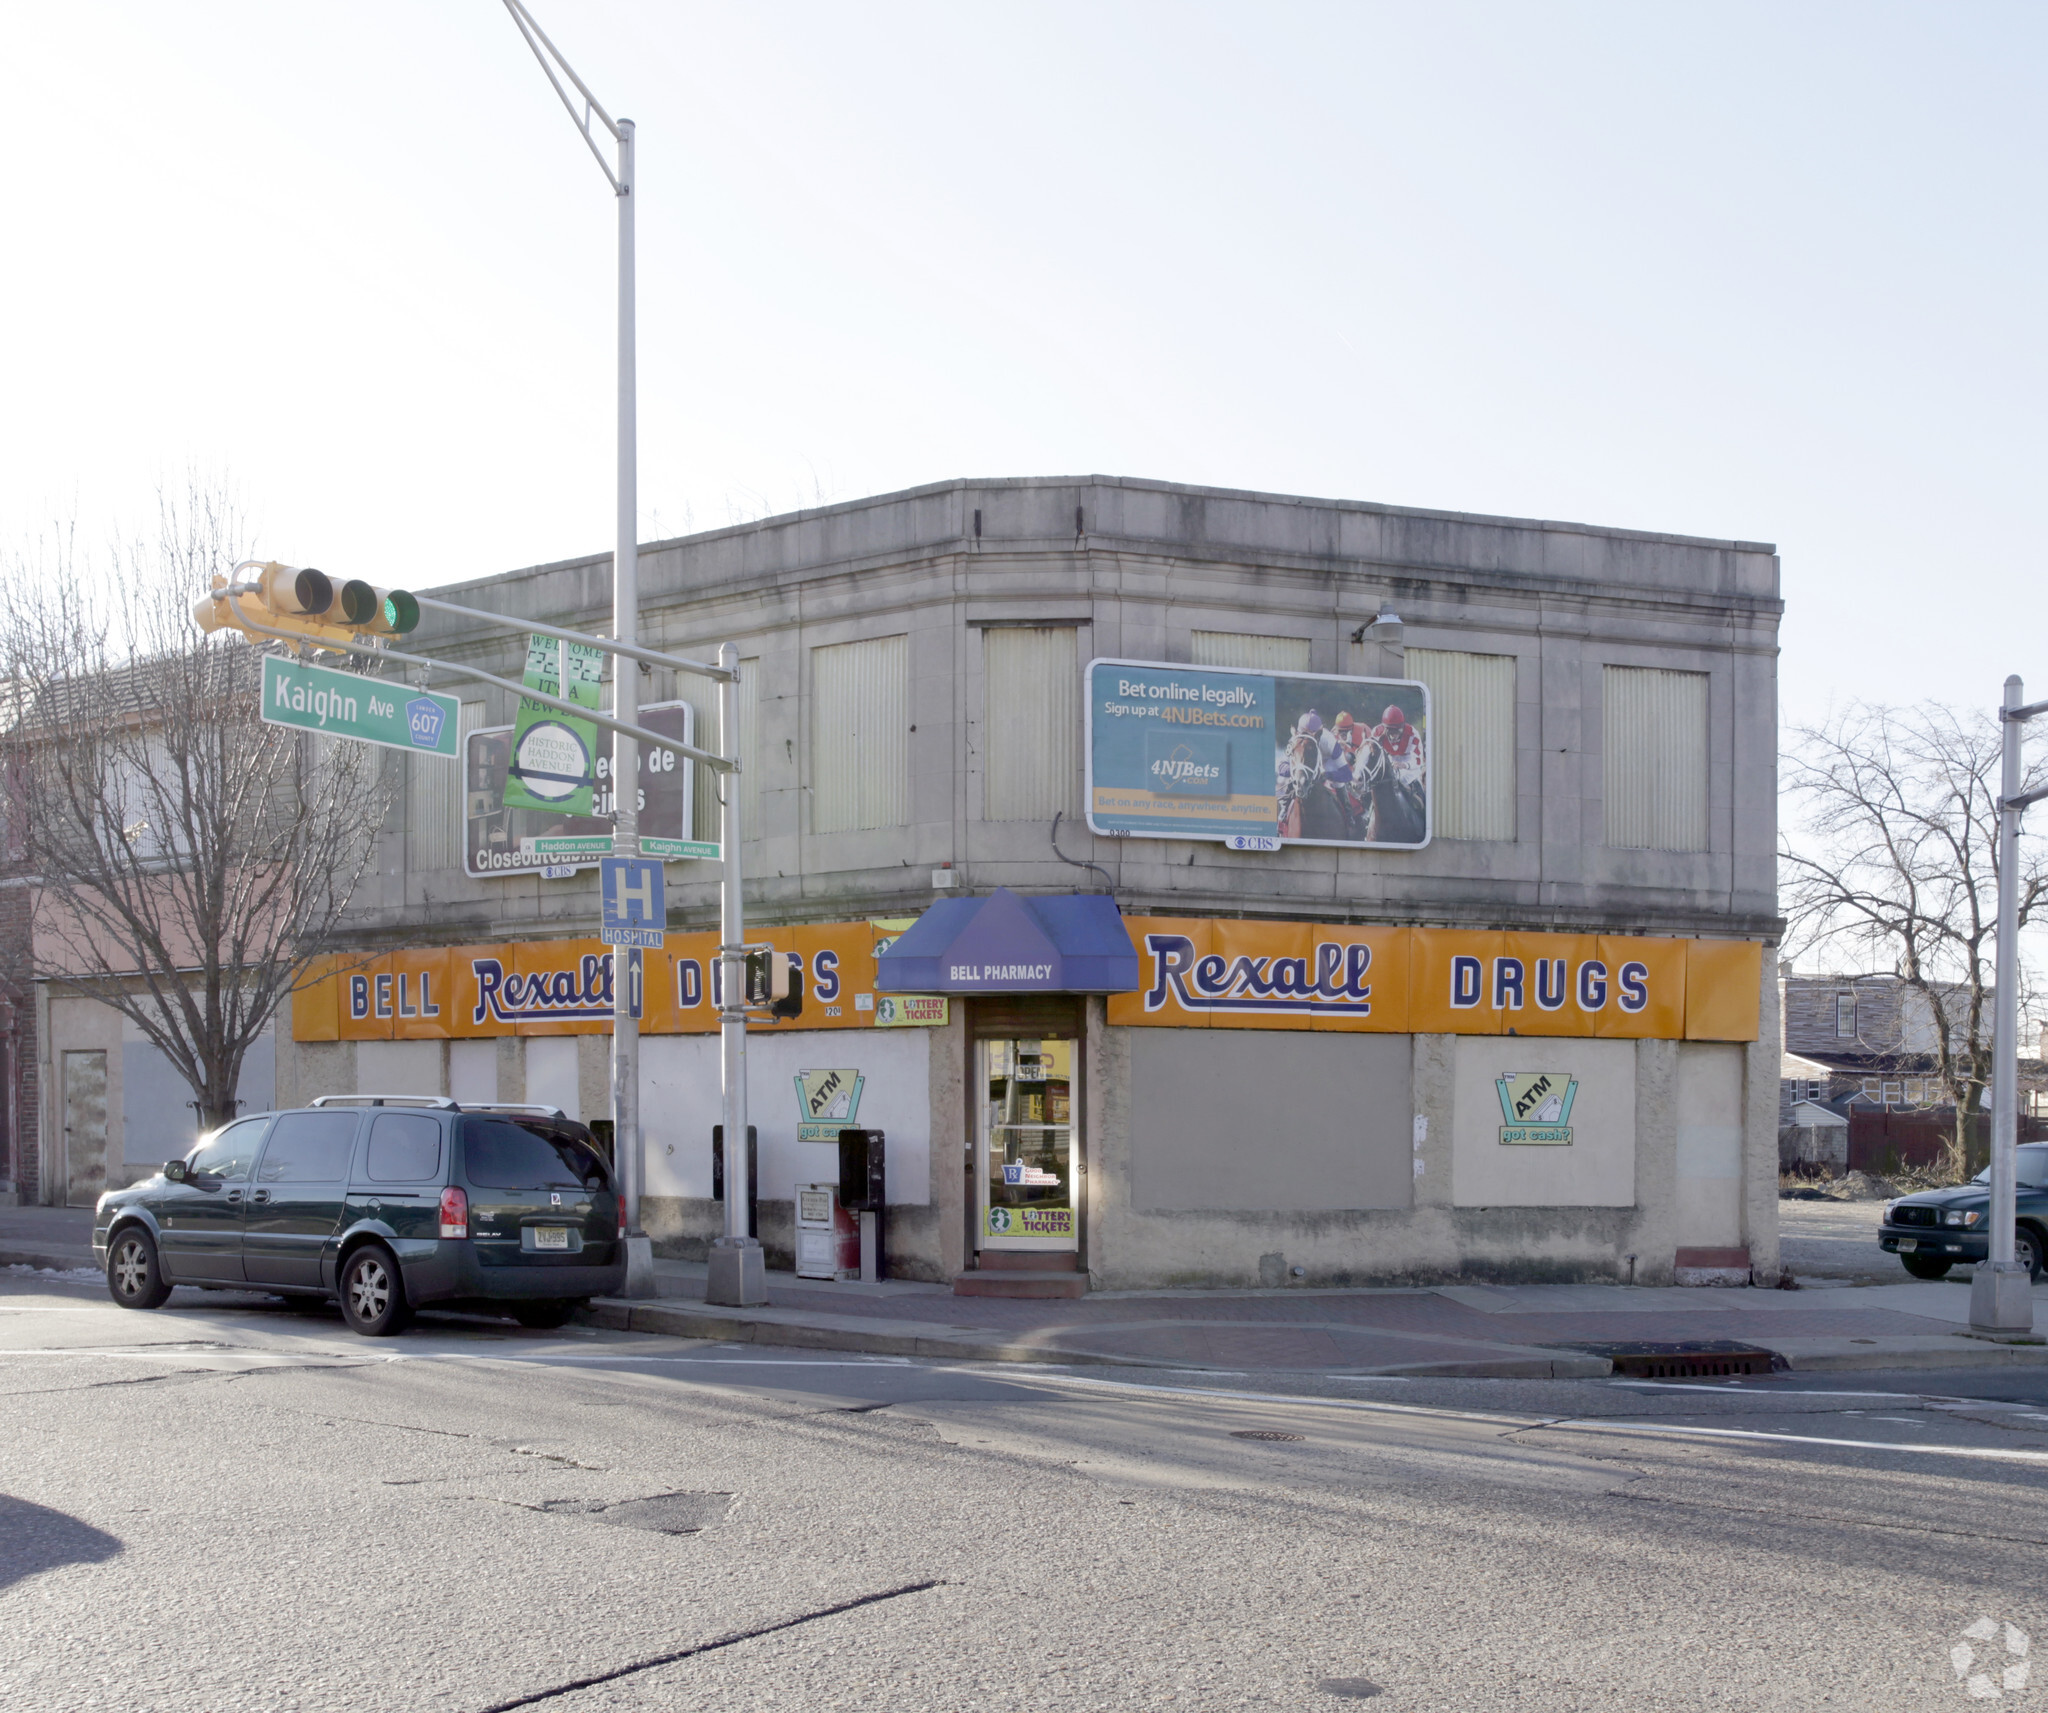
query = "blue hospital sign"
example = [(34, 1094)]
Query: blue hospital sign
[(635, 902)]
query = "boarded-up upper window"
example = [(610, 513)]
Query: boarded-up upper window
[(1656, 758), (860, 735), (1251, 653), (1030, 723), (1472, 740), (434, 800), (702, 695)]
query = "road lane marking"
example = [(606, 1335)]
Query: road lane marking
[(1996, 1454)]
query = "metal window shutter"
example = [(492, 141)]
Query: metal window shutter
[(860, 735), (1471, 740), (1030, 723), (1654, 765), (1248, 653), (1024, 1016)]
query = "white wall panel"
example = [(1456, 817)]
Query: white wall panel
[(551, 1078), (860, 735), (1030, 724), (398, 1067), (1709, 1202), (679, 1098), (473, 1071), (1472, 740), (1655, 762)]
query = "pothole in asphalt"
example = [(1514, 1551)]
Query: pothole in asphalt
[(1270, 1433), (1349, 1688), (662, 1514)]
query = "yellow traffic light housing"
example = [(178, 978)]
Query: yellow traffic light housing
[(308, 605)]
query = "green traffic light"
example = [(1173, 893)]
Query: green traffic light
[(401, 612)]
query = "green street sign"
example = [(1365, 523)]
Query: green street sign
[(365, 710), (578, 845), (679, 850)]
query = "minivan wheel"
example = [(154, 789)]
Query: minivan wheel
[(372, 1293), (135, 1278), (543, 1315)]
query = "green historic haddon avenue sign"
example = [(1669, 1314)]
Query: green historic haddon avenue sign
[(369, 710)]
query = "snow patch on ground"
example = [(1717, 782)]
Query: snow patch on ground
[(77, 1275)]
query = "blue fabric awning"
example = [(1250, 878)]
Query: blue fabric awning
[(1007, 944)]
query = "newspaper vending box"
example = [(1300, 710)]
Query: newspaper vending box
[(827, 1235)]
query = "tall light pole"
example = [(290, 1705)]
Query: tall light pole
[(2001, 1293), (627, 1145)]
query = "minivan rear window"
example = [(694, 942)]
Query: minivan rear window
[(405, 1148), (501, 1155)]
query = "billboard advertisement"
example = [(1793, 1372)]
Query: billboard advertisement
[(1257, 759), (498, 838)]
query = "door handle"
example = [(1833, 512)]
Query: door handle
[(234, 1195), (259, 1195)]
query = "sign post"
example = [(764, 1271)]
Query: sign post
[(2001, 1291), (737, 1276)]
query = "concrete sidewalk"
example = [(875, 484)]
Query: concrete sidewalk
[(1482, 1331)]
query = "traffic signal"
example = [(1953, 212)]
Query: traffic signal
[(308, 604), (776, 980)]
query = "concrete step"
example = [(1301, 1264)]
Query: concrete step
[(1029, 1260), (1018, 1282)]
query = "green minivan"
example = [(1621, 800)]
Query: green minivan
[(386, 1202)]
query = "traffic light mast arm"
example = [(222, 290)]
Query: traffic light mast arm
[(718, 762), (652, 656)]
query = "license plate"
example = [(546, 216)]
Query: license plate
[(1908, 1244), (551, 1237)]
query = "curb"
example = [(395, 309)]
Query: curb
[(1963, 1353), (728, 1326), (43, 1258)]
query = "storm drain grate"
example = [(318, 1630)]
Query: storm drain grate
[(1261, 1433), (1703, 1359)]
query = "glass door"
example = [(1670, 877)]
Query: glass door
[(1025, 1157)]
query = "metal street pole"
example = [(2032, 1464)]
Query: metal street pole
[(2001, 1292), (627, 1146), (627, 1141), (737, 1276)]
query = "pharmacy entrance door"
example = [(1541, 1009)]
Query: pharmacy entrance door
[(1027, 1145)]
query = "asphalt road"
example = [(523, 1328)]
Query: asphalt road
[(230, 1505)]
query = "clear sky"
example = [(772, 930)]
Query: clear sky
[(1764, 271)]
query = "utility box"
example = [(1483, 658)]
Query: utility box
[(863, 1178), (753, 1173), (827, 1235), (864, 1189)]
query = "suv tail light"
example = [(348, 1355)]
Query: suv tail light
[(454, 1212)]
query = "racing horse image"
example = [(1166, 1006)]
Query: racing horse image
[(1375, 807), (1310, 805), (1394, 811)]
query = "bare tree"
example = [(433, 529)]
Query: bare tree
[(188, 860), (1896, 863)]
